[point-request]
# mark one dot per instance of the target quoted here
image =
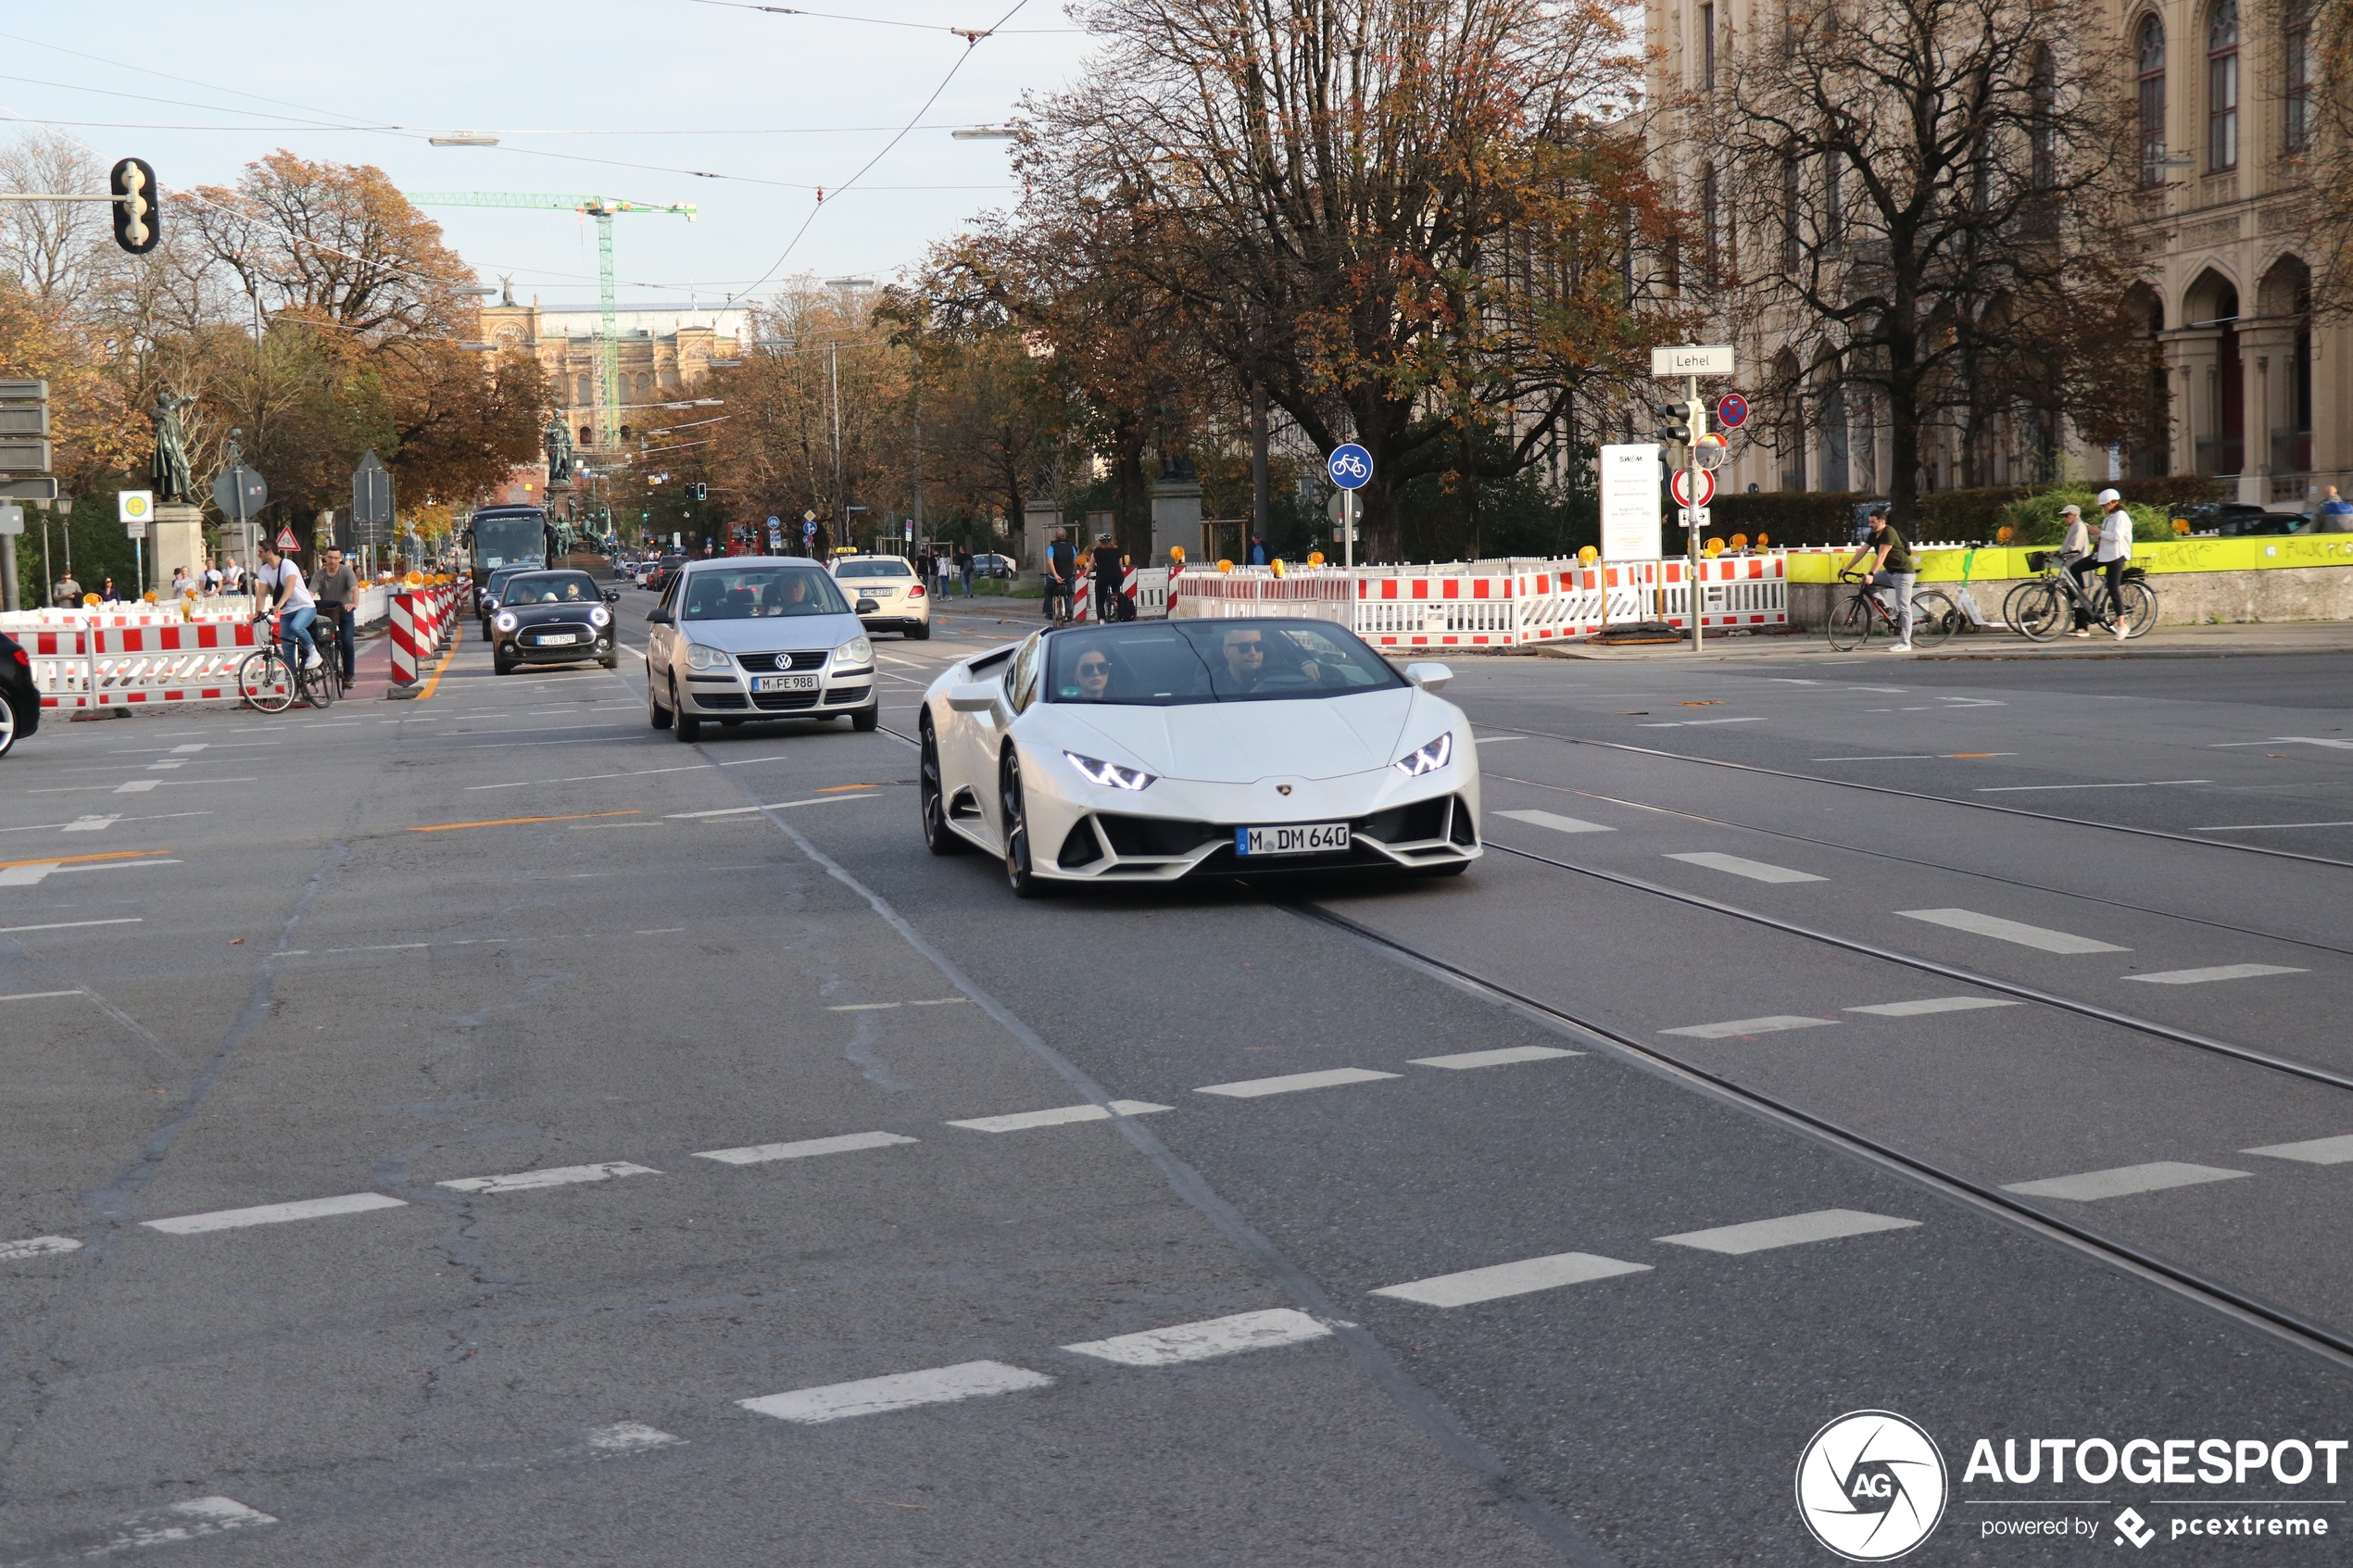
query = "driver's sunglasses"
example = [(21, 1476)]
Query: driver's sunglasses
[(1093, 667), (1247, 647)]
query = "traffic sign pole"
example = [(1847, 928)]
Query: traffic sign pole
[(1351, 468)]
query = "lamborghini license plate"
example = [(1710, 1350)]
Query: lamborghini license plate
[(1299, 838), (784, 683)]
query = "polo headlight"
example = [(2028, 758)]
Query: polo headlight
[(1111, 775), (702, 657), (506, 621), (858, 650), (601, 616), (1430, 759)]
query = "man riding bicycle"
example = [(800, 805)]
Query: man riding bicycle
[(1110, 575), (1061, 574), (1891, 567), (280, 579)]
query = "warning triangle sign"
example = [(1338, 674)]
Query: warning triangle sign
[(286, 540)]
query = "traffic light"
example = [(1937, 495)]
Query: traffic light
[(138, 222), (1674, 424), (702, 492)]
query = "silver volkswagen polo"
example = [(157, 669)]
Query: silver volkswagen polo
[(755, 637)]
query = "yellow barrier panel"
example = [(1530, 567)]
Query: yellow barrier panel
[(1997, 563)]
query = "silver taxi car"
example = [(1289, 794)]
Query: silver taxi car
[(748, 638)]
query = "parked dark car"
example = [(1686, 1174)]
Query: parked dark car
[(19, 701), (553, 618), (2239, 519), (663, 570)]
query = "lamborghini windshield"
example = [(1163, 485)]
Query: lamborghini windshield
[(1188, 661)]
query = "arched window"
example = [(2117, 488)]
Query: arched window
[(587, 391), (2149, 48), (2045, 130), (2295, 86), (2223, 86), (587, 436)]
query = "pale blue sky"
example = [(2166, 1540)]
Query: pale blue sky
[(620, 70)]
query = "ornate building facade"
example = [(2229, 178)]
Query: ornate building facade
[(2257, 392), (664, 350)]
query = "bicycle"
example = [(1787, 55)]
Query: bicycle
[(1934, 616), (2041, 607), (269, 681)]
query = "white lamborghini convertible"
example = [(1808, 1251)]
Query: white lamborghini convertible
[(1154, 750)]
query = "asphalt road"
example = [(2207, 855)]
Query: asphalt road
[(1829, 1050)]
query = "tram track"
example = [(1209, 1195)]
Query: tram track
[(2281, 1323), (2054, 816)]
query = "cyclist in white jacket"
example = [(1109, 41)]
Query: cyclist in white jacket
[(2115, 554)]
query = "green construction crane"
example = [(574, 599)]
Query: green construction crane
[(602, 210)]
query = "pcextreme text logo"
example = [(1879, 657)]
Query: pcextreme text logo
[(1871, 1485)]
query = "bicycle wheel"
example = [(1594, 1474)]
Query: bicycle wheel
[(1851, 624), (2016, 598), (264, 681), (2140, 609), (1934, 617), (319, 687), (2044, 613)]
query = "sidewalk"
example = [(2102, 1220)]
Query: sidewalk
[(2249, 640)]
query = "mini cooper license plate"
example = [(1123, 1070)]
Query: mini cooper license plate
[(784, 683), (1299, 838), (555, 639)]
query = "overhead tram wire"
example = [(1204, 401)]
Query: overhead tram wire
[(968, 34), (972, 42), (2312, 1338)]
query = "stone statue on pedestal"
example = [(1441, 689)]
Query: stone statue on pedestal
[(557, 438), (167, 469)]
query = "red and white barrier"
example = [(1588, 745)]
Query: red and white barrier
[(83, 668), (406, 634), (1499, 604)]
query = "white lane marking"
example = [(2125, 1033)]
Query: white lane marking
[(874, 1395), (1499, 740), (1790, 1230), (630, 1438), (1915, 757), (1503, 1058), (1789, 681), (136, 786), (38, 1246), (1558, 823), (275, 1213), (1935, 1004), (1511, 1279), (2252, 827), (759, 1153), (2309, 740), (2011, 931), (2218, 971), (1755, 871), (2030, 789), (1694, 723), (30, 875), (88, 823), (37, 996), (940, 1002), (1206, 1340), (187, 1521), (1021, 1121), (772, 806), (2313, 1151), (167, 764), (864, 1006), (593, 778), (1739, 1026), (1291, 1083), (1883, 691), (658, 931), (75, 924), (2089, 1186), (561, 1176)]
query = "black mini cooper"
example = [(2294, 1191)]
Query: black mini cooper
[(552, 618)]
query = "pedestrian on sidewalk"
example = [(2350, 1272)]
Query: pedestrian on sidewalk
[(1891, 567), (179, 583), (109, 595), (211, 578), (965, 567), (2337, 514), (66, 595)]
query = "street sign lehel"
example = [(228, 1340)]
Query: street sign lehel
[(1692, 360), (1680, 486)]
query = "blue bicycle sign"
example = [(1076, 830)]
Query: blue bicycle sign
[(1351, 465)]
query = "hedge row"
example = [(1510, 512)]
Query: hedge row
[(1817, 517)]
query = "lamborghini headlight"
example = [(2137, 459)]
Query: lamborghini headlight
[(1111, 775), (1430, 759), (702, 657)]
